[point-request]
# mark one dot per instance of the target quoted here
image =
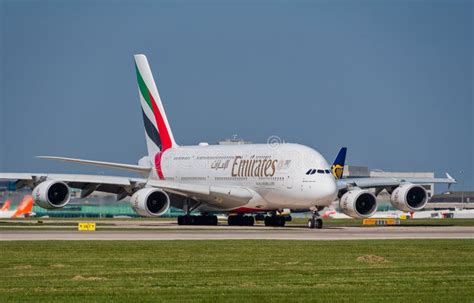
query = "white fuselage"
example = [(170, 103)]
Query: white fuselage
[(7, 214), (10, 214), (275, 173)]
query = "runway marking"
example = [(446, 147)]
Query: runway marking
[(339, 233)]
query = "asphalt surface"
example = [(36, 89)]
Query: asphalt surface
[(249, 233)]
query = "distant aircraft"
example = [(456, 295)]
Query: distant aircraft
[(5, 206), (337, 167), (232, 179), (24, 209)]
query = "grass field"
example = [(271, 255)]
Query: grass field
[(236, 271)]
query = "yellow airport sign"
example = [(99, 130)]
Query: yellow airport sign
[(86, 226), (384, 221)]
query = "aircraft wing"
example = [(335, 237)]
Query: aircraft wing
[(127, 167), (87, 183), (378, 182), (224, 197)]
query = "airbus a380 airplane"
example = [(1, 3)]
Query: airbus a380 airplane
[(234, 179)]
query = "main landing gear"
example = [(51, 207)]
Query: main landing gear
[(205, 219), (240, 220), (197, 220), (315, 221), (275, 221)]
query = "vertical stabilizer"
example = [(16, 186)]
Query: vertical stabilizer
[(6, 206), (157, 129), (25, 207), (337, 167)]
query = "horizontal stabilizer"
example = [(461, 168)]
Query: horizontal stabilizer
[(128, 167)]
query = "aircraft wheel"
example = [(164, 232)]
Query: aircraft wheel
[(233, 220), (251, 220), (311, 223), (268, 221), (212, 220), (280, 221), (200, 220), (184, 220), (319, 223), (248, 221)]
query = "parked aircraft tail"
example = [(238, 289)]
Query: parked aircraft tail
[(25, 207), (6, 206), (337, 167)]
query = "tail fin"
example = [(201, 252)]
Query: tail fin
[(338, 165), (25, 207), (157, 129), (6, 206)]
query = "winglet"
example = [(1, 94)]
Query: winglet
[(450, 178), (338, 165)]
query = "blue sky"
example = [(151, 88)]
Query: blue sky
[(390, 80)]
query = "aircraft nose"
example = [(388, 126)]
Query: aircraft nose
[(329, 189)]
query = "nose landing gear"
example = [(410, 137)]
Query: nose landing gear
[(315, 221)]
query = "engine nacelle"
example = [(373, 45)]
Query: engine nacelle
[(51, 194), (409, 197), (150, 202), (358, 203)]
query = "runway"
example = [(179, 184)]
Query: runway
[(217, 233)]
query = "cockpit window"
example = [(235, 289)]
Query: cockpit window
[(312, 171)]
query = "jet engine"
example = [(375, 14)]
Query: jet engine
[(51, 194), (409, 197), (150, 202), (358, 203)]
